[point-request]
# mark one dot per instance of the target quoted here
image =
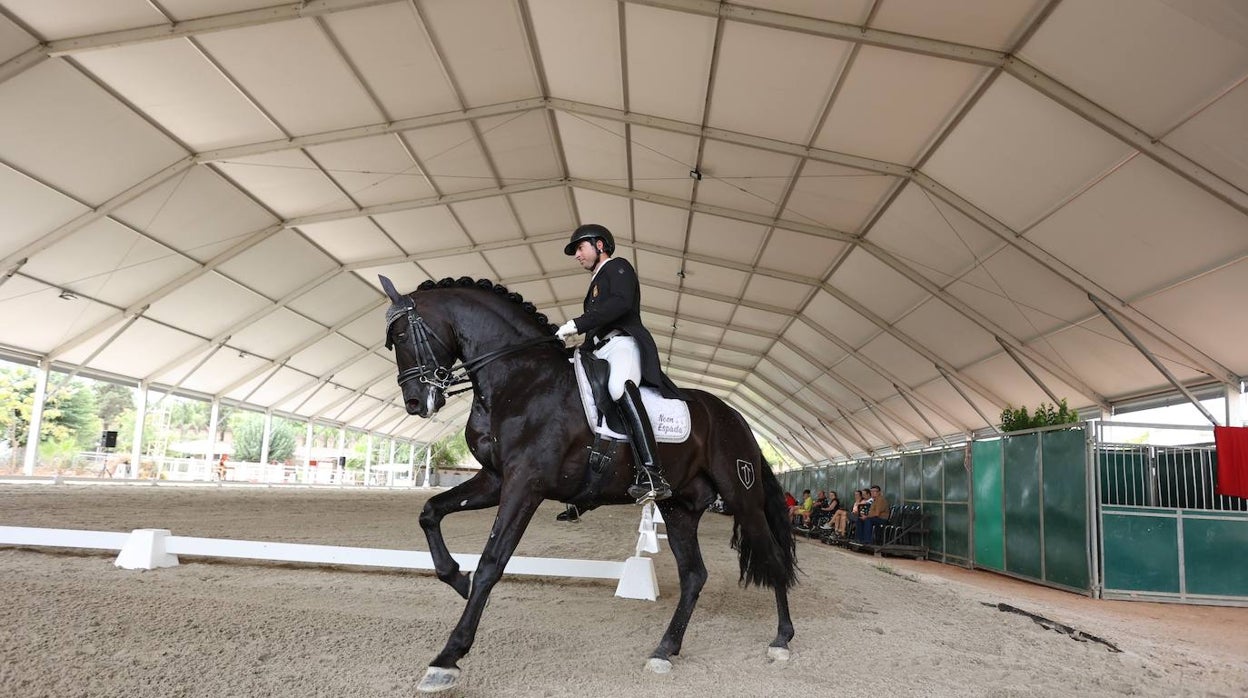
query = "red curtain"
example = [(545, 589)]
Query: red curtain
[(1232, 443)]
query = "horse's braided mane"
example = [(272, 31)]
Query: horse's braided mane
[(498, 289)]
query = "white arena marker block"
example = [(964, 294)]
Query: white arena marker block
[(638, 581), (145, 550)]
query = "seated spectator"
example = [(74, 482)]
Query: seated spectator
[(803, 510), (841, 519), (823, 514), (875, 515), (789, 500)]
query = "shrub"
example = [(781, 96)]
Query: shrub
[(1046, 415)]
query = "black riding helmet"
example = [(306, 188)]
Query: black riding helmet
[(590, 231)]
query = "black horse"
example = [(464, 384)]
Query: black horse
[(528, 431)]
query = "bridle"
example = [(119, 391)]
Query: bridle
[(428, 368)]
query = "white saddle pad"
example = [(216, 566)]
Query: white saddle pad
[(668, 417)]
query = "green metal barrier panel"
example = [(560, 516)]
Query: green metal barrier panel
[(1215, 553), (957, 517), (989, 515), (891, 482), (932, 468), (1021, 497), (935, 513), (1063, 459), (911, 478), (1141, 549)]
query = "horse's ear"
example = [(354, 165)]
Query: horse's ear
[(388, 286)]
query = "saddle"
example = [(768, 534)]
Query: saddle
[(668, 417)]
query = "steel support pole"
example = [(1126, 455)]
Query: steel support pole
[(428, 462), (264, 445), (214, 419), (339, 461), (36, 420), (368, 461), (140, 416), (411, 463), (307, 452)]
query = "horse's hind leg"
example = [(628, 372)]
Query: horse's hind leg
[(480, 492), (513, 517), (682, 538), (779, 648)]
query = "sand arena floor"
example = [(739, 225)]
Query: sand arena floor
[(71, 624)]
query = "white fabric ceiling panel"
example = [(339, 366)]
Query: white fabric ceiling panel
[(954, 409), (604, 209), (662, 161), (351, 239), (994, 25), (1167, 230), (1013, 124), (182, 91), (863, 377), (68, 18), (29, 210), (669, 59), (181, 10), (659, 225), (13, 40), (109, 262), (554, 261), (1002, 376), (483, 45), (487, 220), (876, 286), (1097, 352), (794, 365), (1214, 137), (406, 277), (744, 179), (704, 277), (724, 238), (544, 211), (319, 401), (1021, 296), (733, 358), (852, 11), (388, 47), (930, 236), (373, 170), (455, 266), (198, 213), (836, 197), (521, 147), (324, 355), (749, 98), (59, 319), (813, 343), (693, 366), (367, 369), (513, 262), (206, 305), (287, 182), (278, 265), (571, 290), (688, 328), (705, 309), (660, 299), (777, 292), (221, 369), (947, 333), (760, 320), (691, 350), (1208, 312), (451, 155), (892, 103), (827, 312), (579, 41), (594, 148), (750, 342), (306, 87), (275, 334), (799, 253), (423, 230), (142, 348), (900, 360), (659, 268), (1148, 62), (277, 386), (60, 127)]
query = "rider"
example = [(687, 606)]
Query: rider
[(613, 329)]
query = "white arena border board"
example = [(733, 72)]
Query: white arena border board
[(153, 548)]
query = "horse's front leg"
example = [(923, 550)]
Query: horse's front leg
[(514, 513), (480, 492), (682, 538)]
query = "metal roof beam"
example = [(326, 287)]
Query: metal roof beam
[(426, 202)]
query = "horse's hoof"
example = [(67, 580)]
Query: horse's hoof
[(462, 584), (437, 679), (778, 654), (658, 666)]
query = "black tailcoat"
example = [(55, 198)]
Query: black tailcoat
[(613, 302)]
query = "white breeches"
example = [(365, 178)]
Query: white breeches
[(625, 359)]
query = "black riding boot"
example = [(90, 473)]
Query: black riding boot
[(651, 483)]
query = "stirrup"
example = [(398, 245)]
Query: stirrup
[(656, 490)]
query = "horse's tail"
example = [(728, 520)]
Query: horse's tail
[(768, 554)]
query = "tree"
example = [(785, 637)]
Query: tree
[(248, 430), (113, 400), (450, 451), (69, 409)]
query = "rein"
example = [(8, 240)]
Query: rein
[(439, 377)]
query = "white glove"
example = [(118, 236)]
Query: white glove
[(566, 330)]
